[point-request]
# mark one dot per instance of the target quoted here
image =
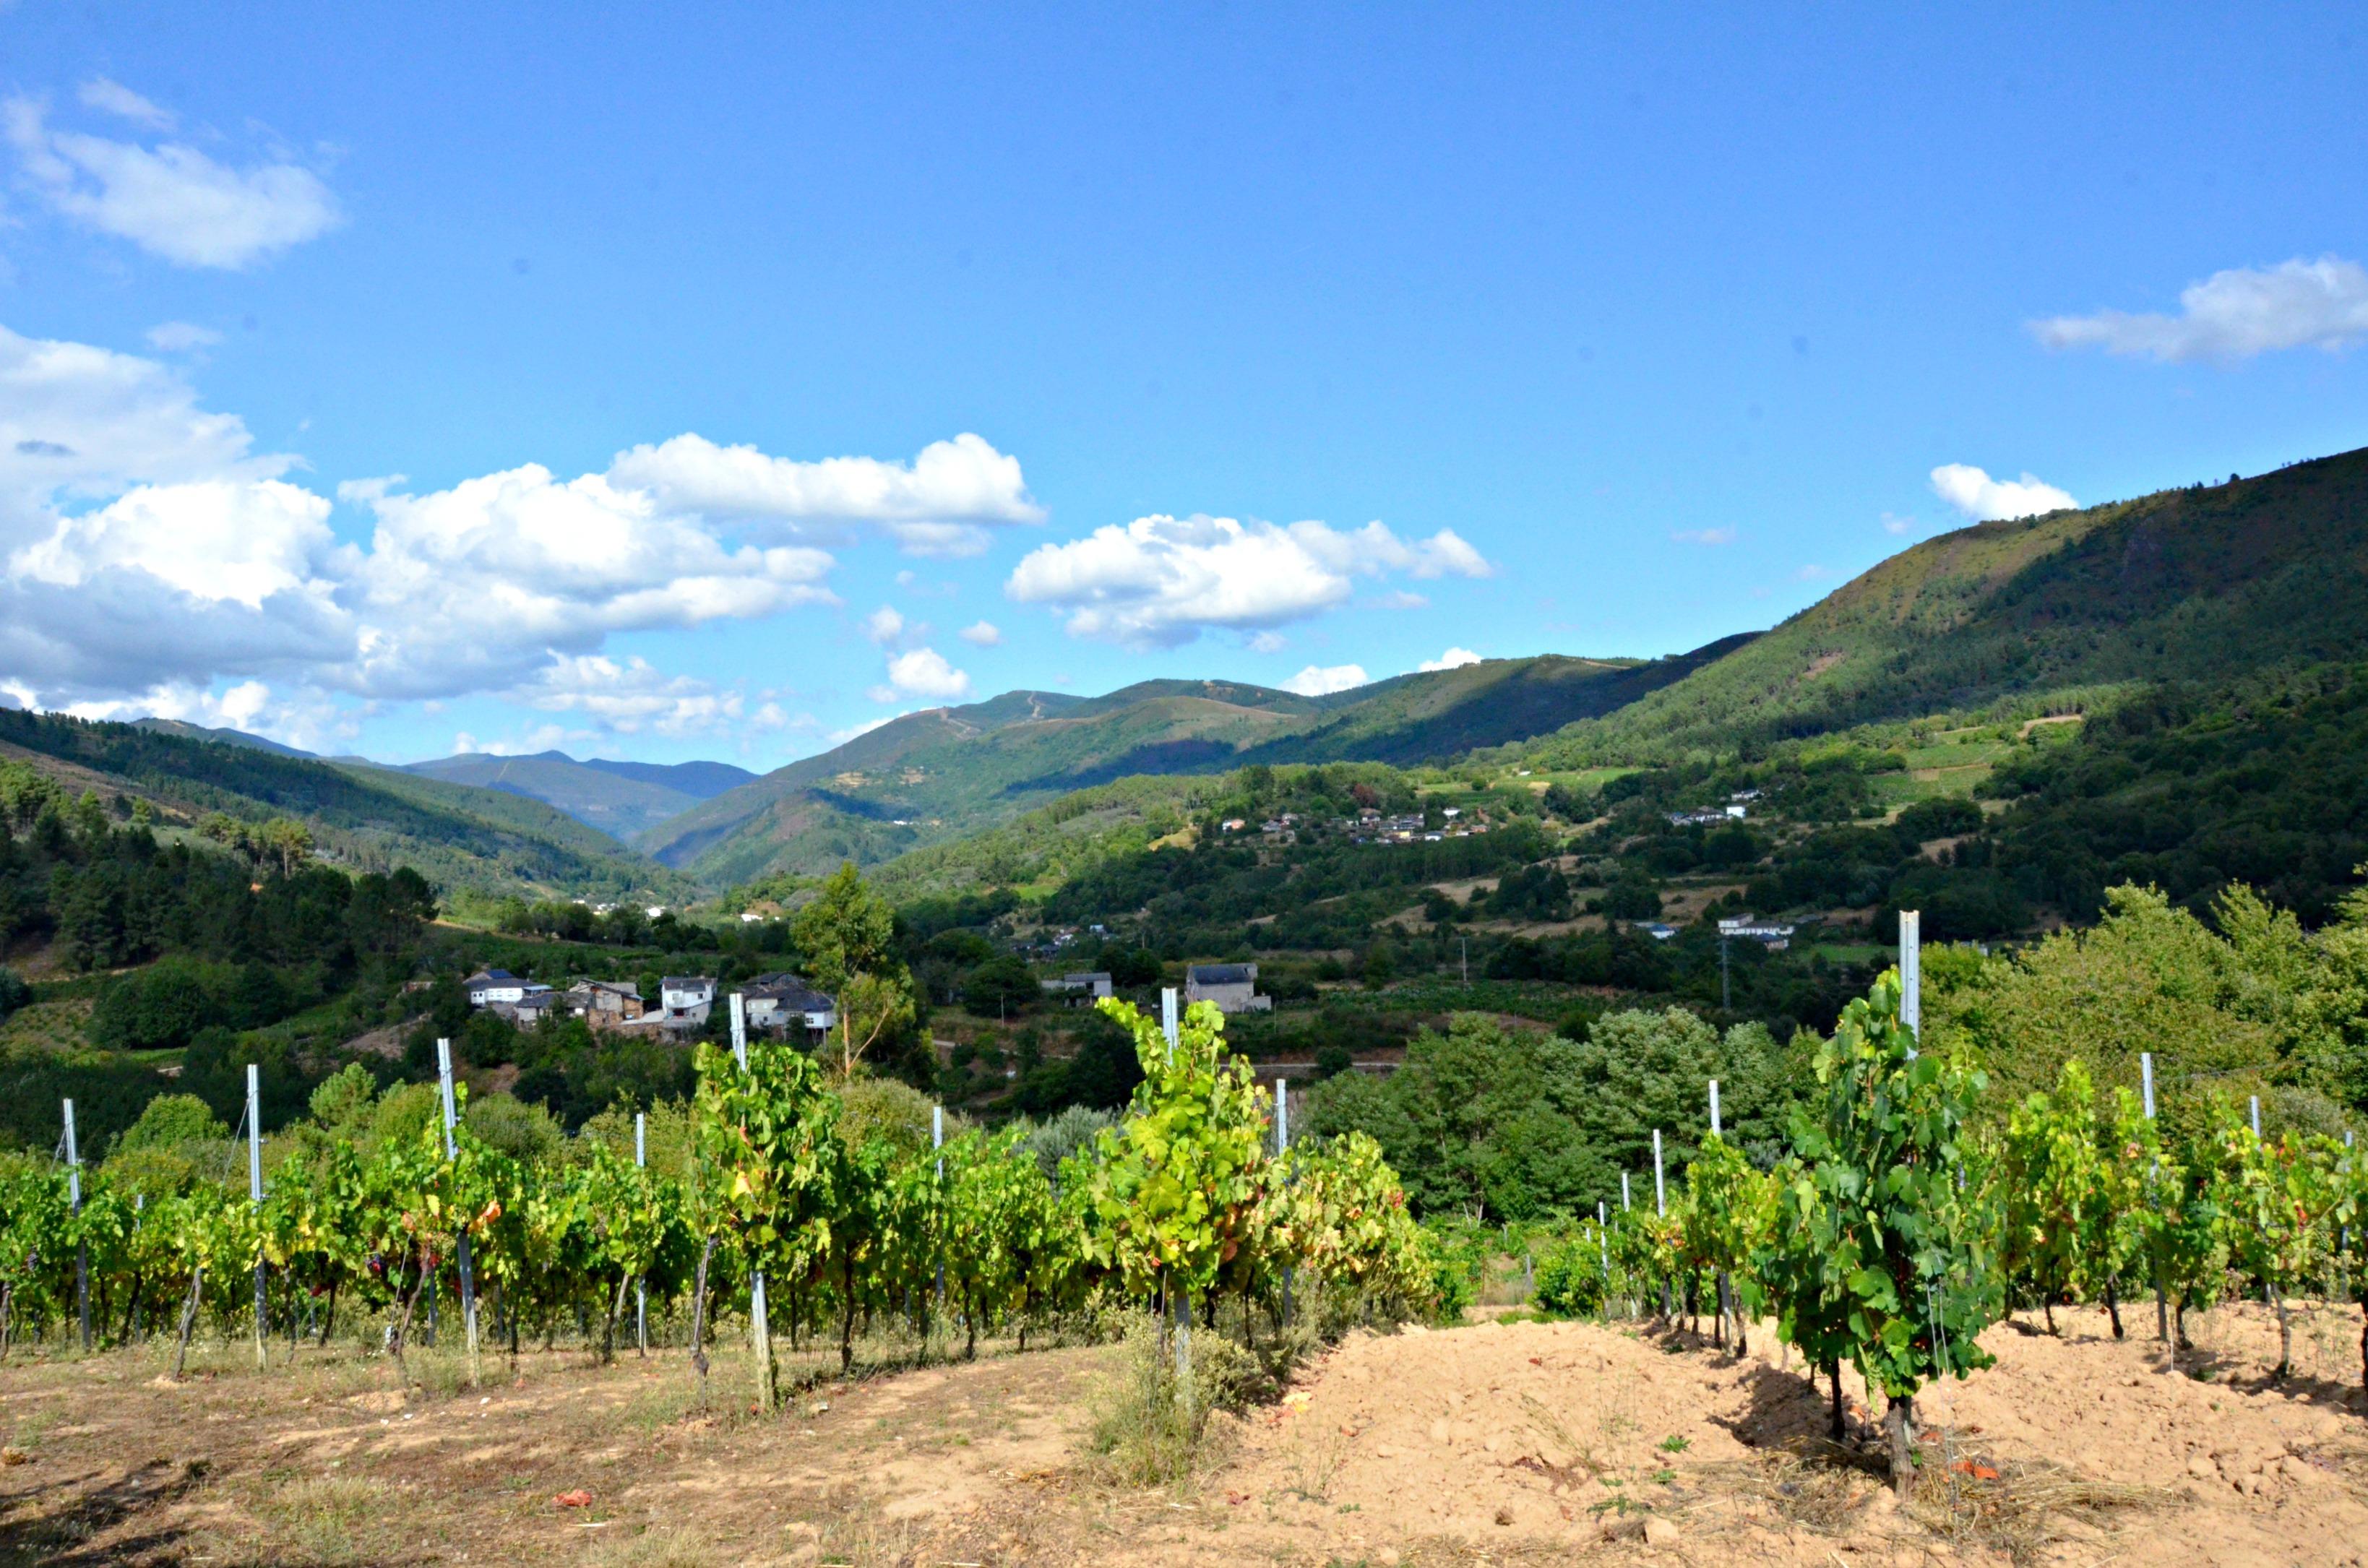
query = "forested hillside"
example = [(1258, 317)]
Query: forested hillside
[(620, 799), (928, 778), (460, 838), (2199, 584)]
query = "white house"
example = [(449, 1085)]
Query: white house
[(1089, 988), (490, 985), (1231, 987), (783, 1001), (686, 999)]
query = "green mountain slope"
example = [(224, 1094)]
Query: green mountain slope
[(699, 780), (930, 777), (2196, 584), (460, 838), (618, 803), (228, 737)]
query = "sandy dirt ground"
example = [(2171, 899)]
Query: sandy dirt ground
[(1505, 1442)]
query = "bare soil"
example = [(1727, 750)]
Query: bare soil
[(1503, 1442)]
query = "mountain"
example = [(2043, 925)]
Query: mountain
[(620, 799), (699, 780), (461, 839), (227, 737), (929, 777), (2198, 584)]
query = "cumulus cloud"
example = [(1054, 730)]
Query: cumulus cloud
[(1323, 680), (2233, 315), (180, 336), (1161, 580), (983, 635), (628, 697), (154, 557), (481, 583), (883, 626), (922, 672), (942, 503), (1981, 498), (171, 199), (1453, 659), (1897, 525)]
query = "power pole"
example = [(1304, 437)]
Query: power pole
[(1466, 944), (1726, 991)]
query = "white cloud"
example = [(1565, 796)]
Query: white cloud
[(1399, 599), (923, 672), (149, 549), (1704, 536), (172, 199), (1977, 495), (1453, 659), (180, 336), (2233, 315), (939, 504), (1809, 574), (883, 625), (983, 635), (115, 98), (1268, 643), (1323, 680), (629, 696), (1161, 580), (305, 720), (1897, 525)]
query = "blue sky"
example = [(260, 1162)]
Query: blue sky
[(1289, 346)]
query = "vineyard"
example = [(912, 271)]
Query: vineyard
[(1898, 1226)]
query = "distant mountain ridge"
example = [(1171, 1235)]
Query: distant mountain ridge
[(620, 799), (929, 777), (2196, 584), (363, 817)]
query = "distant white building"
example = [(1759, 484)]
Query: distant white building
[(488, 986), (1087, 987), (1773, 936), (686, 999), (785, 1002), (1231, 987)]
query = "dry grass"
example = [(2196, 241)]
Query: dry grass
[(327, 1518), (2015, 1508), (655, 1548), (2020, 1507)]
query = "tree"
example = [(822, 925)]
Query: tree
[(1633, 897), (999, 987), (846, 931), (1877, 1241), (849, 936)]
